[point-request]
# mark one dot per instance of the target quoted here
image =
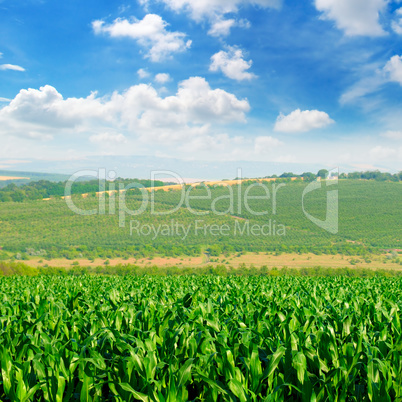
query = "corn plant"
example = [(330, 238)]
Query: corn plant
[(205, 338)]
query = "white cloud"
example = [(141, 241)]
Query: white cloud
[(394, 69), (300, 121), (162, 78), (142, 73), (139, 114), (47, 108), (5, 100), (396, 24), (365, 86), (215, 11), (11, 67), (265, 144), (221, 27), (374, 77), (199, 9), (150, 33), (381, 152), (107, 138), (354, 17), (393, 135), (232, 64)]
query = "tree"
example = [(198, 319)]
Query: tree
[(308, 176), (323, 173), (288, 174)]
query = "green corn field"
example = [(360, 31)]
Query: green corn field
[(207, 338)]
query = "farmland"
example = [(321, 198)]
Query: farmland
[(8, 177), (50, 230), (96, 308), (236, 261), (5, 178), (200, 338)]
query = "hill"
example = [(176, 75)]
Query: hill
[(8, 176), (369, 221)]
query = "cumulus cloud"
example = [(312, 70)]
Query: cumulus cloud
[(354, 17), (162, 78), (11, 67), (150, 33), (47, 108), (394, 69), (199, 9), (215, 11), (142, 73), (232, 64), (139, 113), (396, 24), (300, 121)]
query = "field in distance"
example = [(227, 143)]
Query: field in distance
[(8, 177), (258, 260), (4, 178), (369, 223)]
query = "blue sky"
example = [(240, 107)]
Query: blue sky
[(317, 81)]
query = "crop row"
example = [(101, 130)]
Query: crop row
[(95, 338)]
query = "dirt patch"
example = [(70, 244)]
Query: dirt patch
[(235, 261)]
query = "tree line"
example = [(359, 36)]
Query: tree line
[(41, 189), (322, 173)]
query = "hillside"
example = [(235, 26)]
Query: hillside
[(369, 221), (8, 176)]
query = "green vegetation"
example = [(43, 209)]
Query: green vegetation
[(369, 221), (29, 177), (368, 175), (204, 338), (210, 333), (43, 185), (19, 268), (41, 189)]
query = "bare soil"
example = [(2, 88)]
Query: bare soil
[(235, 261)]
